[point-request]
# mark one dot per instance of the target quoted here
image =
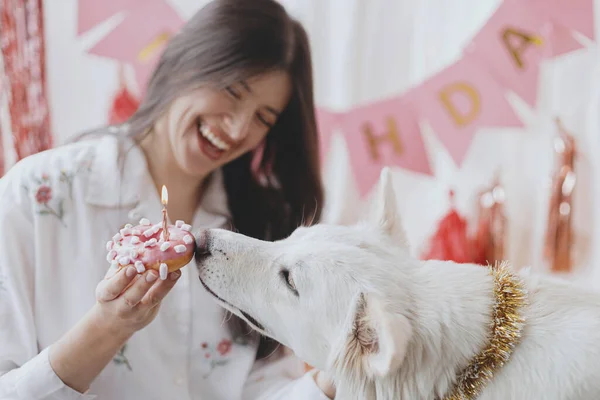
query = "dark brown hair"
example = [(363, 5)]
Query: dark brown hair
[(223, 43)]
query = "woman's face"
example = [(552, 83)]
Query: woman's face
[(207, 128)]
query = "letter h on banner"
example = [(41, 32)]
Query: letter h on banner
[(383, 134), (390, 137)]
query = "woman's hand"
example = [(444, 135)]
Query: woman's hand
[(128, 301), (325, 384)]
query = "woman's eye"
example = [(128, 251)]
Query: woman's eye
[(264, 121), (287, 278), (233, 92)]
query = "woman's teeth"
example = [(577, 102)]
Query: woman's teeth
[(213, 139)]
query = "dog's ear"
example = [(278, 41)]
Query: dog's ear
[(379, 338), (384, 212)]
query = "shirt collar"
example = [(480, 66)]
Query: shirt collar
[(118, 172), (119, 178)]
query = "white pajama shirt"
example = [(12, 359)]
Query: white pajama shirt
[(57, 211)]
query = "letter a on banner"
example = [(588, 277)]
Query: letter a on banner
[(512, 44), (516, 50), (382, 134)]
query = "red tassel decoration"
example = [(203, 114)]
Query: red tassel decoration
[(559, 234), (23, 79), (124, 103), (450, 241), (488, 243)]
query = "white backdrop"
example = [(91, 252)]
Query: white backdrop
[(364, 51)]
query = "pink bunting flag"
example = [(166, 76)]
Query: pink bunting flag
[(143, 73), (382, 134), (459, 100), (512, 45), (562, 41), (139, 42), (575, 15), (326, 124), (92, 12)]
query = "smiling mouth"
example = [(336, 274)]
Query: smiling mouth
[(252, 321), (211, 144)]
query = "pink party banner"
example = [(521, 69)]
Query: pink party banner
[(92, 12), (458, 101), (143, 73), (327, 123), (575, 15), (562, 41), (138, 42), (382, 134), (512, 45)]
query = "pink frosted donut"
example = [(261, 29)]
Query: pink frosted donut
[(144, 247)]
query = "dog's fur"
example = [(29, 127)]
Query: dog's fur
[(385, 325)]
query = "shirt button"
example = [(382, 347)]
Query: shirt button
[(179, 381)]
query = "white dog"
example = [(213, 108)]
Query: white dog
[(352, 301)]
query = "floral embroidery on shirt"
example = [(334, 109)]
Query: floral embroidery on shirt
[(43, 199), (217, 355), (121, 358), (68, 176), (47, 201)]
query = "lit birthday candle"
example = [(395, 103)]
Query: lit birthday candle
[(164, 199)]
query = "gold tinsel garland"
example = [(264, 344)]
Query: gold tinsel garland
[(506, 329)]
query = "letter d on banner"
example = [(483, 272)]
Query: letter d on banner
[(461, 99), (461, 118)]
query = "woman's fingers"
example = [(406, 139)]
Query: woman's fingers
[(110, 288), (160, 290), (132, 288), (134, 294)]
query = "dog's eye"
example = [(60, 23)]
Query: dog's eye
[(287, 278)]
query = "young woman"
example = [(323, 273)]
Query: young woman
[(228, 125)]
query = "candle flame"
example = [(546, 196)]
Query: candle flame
[(164, 198)]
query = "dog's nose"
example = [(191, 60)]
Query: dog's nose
[(202, 242), (202, 251)]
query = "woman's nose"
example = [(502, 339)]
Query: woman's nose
[(240, 127)]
